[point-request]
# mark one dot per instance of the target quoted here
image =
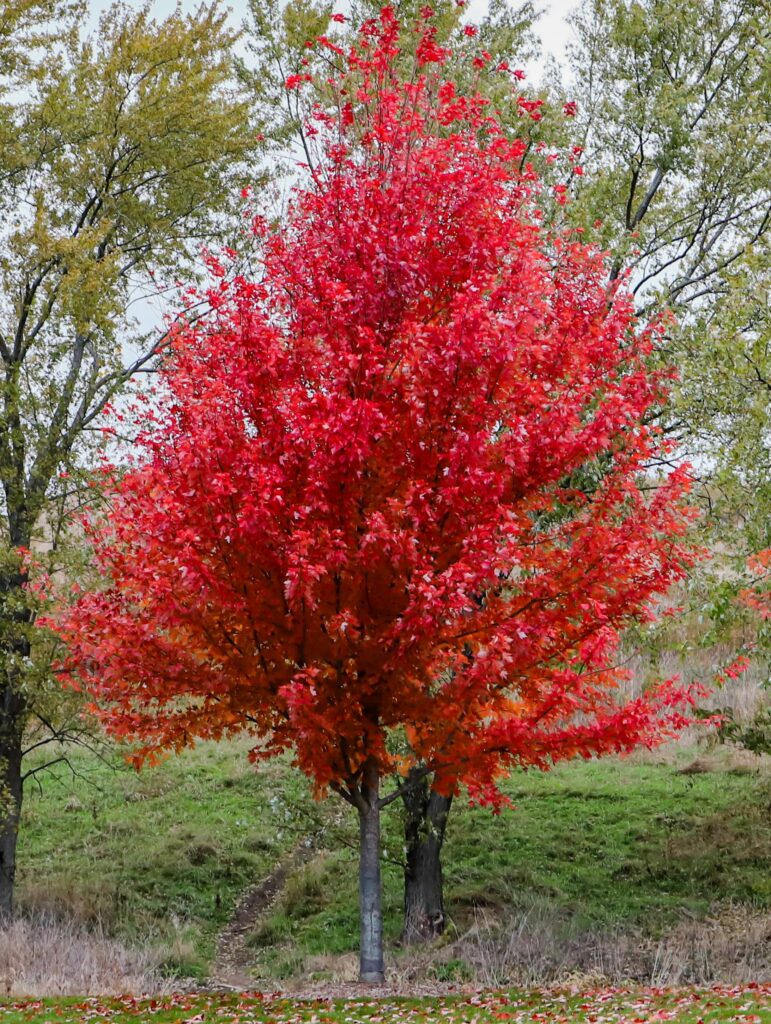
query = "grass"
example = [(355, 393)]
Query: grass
[(619, 842), (613, 845), (748, 1005), (162, 856)]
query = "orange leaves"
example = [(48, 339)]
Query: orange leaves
[(759, 596)]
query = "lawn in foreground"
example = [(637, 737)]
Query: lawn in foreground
[(748, 1004)]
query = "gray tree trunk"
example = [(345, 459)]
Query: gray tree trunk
[(15, 648), (10, 810), (371, 968), (425, 824)]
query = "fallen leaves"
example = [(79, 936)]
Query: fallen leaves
[(745, 1004)]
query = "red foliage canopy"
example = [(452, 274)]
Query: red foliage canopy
[(396, 508)]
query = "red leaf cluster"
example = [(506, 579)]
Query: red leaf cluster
[(399, 487), (759, 596)]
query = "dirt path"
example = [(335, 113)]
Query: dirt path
[(233, 958)]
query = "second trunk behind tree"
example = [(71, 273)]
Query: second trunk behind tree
[(425, 823)]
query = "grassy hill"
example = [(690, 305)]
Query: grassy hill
[(609, 847)]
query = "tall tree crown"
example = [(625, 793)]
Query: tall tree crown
[(358, 528)]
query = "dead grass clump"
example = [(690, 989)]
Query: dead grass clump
[(732, 947), (89, 903), (42, 955), (340, 968), (727, 758), (539, 946)]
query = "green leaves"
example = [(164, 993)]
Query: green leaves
[(127, 151), (120, 156), (673, 101)]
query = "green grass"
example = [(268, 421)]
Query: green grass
[(705, 1006), (163, 855), (619, 842)]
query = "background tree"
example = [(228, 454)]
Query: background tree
[(673, 103), (352, 530), (119, 158), (673, 115)]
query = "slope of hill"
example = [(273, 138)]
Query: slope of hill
[(594, 858)]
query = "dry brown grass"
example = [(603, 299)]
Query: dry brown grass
[(539, 947), (42, 955), (744, 695), (88, 903), (742, 698), (732, 947)]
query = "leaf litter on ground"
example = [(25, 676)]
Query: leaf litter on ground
[(746, 1004)]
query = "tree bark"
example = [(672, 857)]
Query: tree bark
[(10, 810), (425, 823), (15, 616), (371, 968)]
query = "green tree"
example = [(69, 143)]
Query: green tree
[(673, 116), (120, 155), (673, 100)]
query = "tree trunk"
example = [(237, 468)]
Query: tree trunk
[(14, 652), (371, 968), (10, 810), (425, 823)]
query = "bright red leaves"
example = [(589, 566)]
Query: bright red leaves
[(397, 504)]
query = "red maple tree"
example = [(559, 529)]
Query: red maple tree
[(395, 510)]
